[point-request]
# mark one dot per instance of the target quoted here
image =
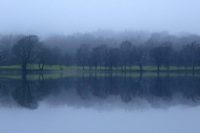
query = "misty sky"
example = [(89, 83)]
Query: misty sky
[(69, 16)]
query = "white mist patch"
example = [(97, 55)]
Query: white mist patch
[(66, 119)]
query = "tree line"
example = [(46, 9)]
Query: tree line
[(31, 50)]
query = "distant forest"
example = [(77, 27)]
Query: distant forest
[(100, 51)]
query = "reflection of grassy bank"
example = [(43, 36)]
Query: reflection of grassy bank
[(79, 73)]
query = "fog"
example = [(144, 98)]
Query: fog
[(67, 16), (102, 66), (51, 120)]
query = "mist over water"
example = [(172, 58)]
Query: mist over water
[(47, 119), (99, 66), (100, 104)]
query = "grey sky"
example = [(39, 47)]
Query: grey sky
[(69, 16)]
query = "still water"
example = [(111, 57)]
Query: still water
[(100, 105)]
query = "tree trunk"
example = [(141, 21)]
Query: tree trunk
[(158, 70), (193, 69), (61, 68), (185, 68), (95, 67), (121, 67), (90, 67), (42, 67), (111, 68), (83, 67), (39, 65), (24, 67), (168, 67), (141, 69)]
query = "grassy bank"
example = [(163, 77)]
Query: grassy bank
[(81, 74), (130, 68), (56, 71)]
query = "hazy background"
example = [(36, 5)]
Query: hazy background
[(46, 17)]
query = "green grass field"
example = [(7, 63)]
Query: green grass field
[(130, 68), (77, 74), (56, 71)]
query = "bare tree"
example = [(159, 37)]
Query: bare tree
[(25, 51), (98, 55), (82, 55), (4, 53), (43, 56), (112, 57), (125, 49)]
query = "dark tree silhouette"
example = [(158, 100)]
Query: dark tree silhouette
[(125, 49), (113, 56), (189, 55), (138, 56), (82, 55), (156, 50), (4, 53), (25, 51), (161, 55), (98, 56), (43, 56), (23, 94)]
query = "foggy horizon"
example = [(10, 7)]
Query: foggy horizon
[(102, 66), (68, 17)]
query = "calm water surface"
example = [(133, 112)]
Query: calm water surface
[(100, 105)]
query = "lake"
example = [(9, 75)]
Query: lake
[(100, 104)]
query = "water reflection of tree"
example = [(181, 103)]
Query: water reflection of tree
[(160, 88), (103, 87), (23, 94), (6, 88), (129, 88), (82, 87), (28, 93), (190, 87)]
